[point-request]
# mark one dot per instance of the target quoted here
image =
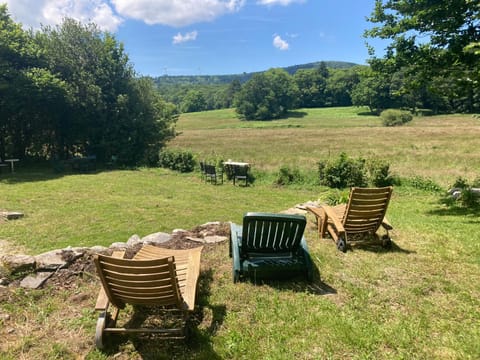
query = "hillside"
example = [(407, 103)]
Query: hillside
[(226, 79)]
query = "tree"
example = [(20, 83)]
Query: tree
[(266, 96), (311, 85), (111, 111), (432, 39)]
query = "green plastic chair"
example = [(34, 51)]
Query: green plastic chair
[(269, 246)]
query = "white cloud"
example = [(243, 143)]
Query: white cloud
[(278, 2), (279, 43), (33, 13), (176, 12), (190, 36)]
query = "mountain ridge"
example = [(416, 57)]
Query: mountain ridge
[(226, 79)]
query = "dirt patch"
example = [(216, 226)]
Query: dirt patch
[(85, 267)]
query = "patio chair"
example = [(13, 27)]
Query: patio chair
[(269, 246), (212, 175), (363, 215), (164, 279), (240, 173)]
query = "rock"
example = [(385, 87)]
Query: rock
[(99, 250), (156, 238), (199, 240), (214, 239), (56, 259), (14, 264), (118, 246), (212, 223), (36, 280), (11, 215), (134, 240)]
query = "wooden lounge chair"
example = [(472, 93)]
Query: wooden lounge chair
[(162, 278), (363, 215), (269, 246)]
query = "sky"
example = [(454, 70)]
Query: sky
[(217, 37)]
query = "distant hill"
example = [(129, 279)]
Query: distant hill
[(227, 79)]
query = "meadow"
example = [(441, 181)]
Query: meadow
[(418, 300)]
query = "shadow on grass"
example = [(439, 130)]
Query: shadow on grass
[(376, 246), (201, 326), (295, 114), (458, 211)]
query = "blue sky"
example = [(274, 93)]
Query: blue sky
[(213, 37)]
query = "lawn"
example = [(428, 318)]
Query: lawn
[(419, 300)]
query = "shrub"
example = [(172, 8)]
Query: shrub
[(379, 173), (343, 172), (287, 176), (177, 159), (463, 193), (395, 117), (421, 183)]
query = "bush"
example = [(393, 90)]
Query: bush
[(287, 176), (379, 173), (177, 159), (343, 172), (463, 193), (395, 117)]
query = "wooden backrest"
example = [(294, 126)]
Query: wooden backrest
[(142, 282), (187, 265), (272, 233), (366, 209)]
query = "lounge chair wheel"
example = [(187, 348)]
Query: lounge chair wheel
[(386, 242), (99, 331), (342, 245)]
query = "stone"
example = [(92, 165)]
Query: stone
[(11, 215), (156, 238), (34, 281), (15, 264), (99, 250), (134, 240), (55, 259), (214, 239), (118, 246)]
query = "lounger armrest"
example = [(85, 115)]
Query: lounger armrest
[(235, 242), (333, 218), (102, 299), (386, 224)]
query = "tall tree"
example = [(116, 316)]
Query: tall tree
[(267, 96), (432, 39)]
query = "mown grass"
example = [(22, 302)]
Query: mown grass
[(419, 300)]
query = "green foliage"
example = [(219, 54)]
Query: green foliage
[(71, 90), (422, 183), (288, 176), (266, 96), (442, 72), (463, 193), (379, 173), (177, 159), (345, 172), (342, 172), (395, 117), (337, 196)]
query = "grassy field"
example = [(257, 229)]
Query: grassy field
[(419, 300), (438, 147)]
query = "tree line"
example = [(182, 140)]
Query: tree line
[(71, 91)]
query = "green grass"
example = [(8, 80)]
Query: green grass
[(419, 300)]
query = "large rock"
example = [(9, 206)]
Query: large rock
[(56, 259), (36, 280), (14, 264), (156, 238)]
